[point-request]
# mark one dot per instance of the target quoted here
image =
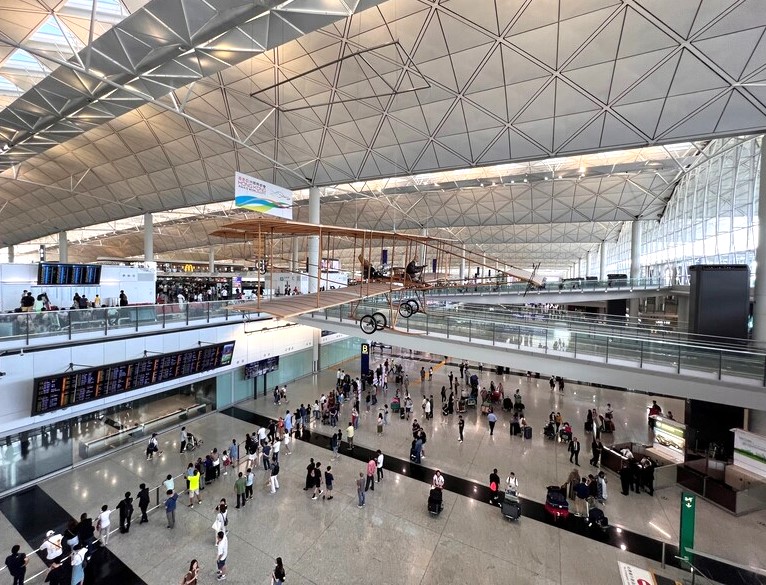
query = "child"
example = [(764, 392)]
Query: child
[(328, 479), (226, 460)]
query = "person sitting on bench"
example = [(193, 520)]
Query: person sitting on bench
[(368, 270)]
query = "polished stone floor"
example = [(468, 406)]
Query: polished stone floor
[(393, 539)]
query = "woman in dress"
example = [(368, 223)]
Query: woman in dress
[(190, 578)]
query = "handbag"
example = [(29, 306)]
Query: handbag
[(216, 525)]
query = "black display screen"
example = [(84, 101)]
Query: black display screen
[(54, 274), (255, 369), (63, 390)]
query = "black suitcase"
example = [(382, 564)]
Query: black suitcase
[(510, 509), (528, 433)]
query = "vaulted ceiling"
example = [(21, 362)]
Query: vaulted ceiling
[(402, 88)]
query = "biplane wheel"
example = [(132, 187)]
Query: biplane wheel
[(405, 310), (380, 320), (414, 304), (368, 324)]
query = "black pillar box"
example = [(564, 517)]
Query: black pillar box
[(710, 425), (719, 300)]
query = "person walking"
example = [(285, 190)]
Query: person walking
[(102, 524), (153, 447), (350, 436), (360, 490), (184, 437), (194, 481), (596, 448), (491, 419), (143, 502), (276, 448), (249, 481), (170, 508), (494, 488), (372, 466), (274, 478), (76, 560), (460, 427), (222, 553), (191, 576), (318, 491), (380, 423), (234, 454), (278, 574), (328, 481), (574, 451), (239, 490), (17, 563), (379, 465), (334, 444), (125, 508)]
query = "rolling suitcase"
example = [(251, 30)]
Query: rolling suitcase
[(528, 433), (511, 509)]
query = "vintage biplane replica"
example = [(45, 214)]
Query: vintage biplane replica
[(402, 281)]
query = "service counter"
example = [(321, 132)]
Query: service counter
[(664, 473)]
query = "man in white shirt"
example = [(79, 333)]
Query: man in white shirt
[(222, 552), (513, 483), (52, 547), (379, 464), (103, 524), (183, 436), (262, 435)]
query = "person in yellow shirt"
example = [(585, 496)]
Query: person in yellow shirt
[(350, 436), (194, 488)]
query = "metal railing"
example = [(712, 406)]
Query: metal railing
[(700, 359)]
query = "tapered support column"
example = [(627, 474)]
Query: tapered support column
[(602, 261), (63, 248), (759, 295), (313, 243), (635, 262), (148, 237)]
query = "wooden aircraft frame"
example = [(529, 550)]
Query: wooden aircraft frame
[(402, 288)]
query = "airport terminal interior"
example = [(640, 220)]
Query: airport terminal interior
[(502, 254)]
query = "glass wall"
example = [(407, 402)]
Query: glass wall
[(33, 454), (712, 217), (337, 352)]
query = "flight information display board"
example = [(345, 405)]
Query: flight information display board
[(55, 274), (72, 388), (255, 369)]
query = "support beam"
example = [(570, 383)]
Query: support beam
[(635, 262), (313, 241), (588, 263), (211, 260), (295, 264), (63, 247), (148, 237), (759, 294), (11, 254), (602, 261)]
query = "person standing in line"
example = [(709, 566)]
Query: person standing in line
[(574, 451), (194, 481), (52, 548), (170, 507), (266, 458), (317, 481), (143, 502), (596, 448), (190, 578), (103, 523), (234, 454), (222, 553), (169, 483), (17, 563), (494, 488), (491, 419), (239, 490), (287, 444), (328, 481), (125, 507), (460, 427), (76, 560), (380, 423), (278, 574), (451, 382), (273, 479), (379, 465), (350, 436), (249, 481), (335, 444), (372, 466), (360, 490), (275, 450), (183, 437)]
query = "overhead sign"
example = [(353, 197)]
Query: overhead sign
[(365, 355), (686, 533), (256, 195), (634, 575)]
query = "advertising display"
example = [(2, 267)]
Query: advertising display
[(750, 451), (632, 575), (256, 195), (261, 367), (670, 438), (73, 388)]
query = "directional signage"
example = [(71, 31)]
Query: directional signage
[(686, 539)]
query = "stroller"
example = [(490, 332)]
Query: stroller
[(435, 501), (192, 442), (549, 431), (556, 503), (596, 519), (510, 506)]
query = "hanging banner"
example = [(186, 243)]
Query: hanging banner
[(686, 535), (256, 195)]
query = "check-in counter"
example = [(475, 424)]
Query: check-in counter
[(664, 473)]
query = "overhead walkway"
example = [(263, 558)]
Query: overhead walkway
[(560, 293), (716, 373)]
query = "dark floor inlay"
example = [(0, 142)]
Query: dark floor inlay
[(32, 512), (639, 544)]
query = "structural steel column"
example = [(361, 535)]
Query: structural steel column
[(602, 261), (211, 260), (588, 262), (635, 261), (148, 237), (462, 266), (759, 294), (63, 247), (313, 243)]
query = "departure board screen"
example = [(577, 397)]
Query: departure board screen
[(55, 274), (72, 388)]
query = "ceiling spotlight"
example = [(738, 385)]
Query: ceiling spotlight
[(525, 180)]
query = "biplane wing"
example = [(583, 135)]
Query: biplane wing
[(295, 305)]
